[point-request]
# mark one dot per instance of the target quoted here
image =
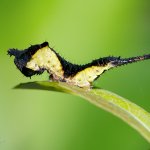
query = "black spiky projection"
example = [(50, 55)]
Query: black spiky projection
[(38, 58)]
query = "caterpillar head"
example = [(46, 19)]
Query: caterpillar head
[(23, 57)]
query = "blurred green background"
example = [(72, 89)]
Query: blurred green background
[(80, 31)]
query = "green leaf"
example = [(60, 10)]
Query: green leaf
[(132, 114)]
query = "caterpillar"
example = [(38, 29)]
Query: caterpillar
[(38, 58)]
